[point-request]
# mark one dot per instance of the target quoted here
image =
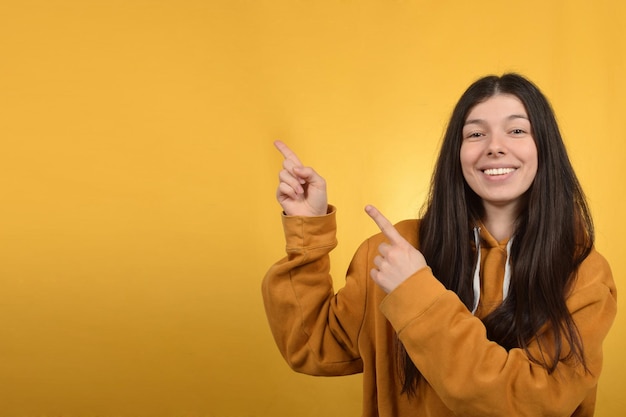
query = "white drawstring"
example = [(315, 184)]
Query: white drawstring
[(507, 271), (477, 270)]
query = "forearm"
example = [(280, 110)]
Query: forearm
[(301, 307), (474, 376)]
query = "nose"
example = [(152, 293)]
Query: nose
[(496, 146)]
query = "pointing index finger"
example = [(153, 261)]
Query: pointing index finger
[(384, 224), (287, 152)]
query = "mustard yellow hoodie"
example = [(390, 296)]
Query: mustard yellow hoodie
[(322, 333)]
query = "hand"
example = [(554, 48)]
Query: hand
[(397, 260), (301, 191)]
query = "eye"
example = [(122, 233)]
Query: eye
[(474, 135), (518, 132)]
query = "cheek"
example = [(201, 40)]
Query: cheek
[(532, 160), (467, 159)]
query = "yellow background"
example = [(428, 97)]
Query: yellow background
[(137, 211)]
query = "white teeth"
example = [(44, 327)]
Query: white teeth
[(498, 171)]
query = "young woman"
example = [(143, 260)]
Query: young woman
[(495, 303)]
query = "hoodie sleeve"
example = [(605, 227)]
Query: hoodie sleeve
[(315, 330), (477, 377)]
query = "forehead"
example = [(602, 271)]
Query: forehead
[(499, 106)]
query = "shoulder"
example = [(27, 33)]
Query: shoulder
[(408, 229), (594, 271), (594, 265)]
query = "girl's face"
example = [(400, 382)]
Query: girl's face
[(498, 153)]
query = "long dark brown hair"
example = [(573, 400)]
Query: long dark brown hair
[(553, 234)]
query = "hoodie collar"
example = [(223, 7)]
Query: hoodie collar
[(481, 235)]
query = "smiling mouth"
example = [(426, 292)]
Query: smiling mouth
[(498, 171)]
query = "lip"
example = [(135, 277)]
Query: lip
[(498, 172), (496, 166)]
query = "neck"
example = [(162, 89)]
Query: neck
[(500, 221)]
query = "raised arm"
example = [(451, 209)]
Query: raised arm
[(315, 330)]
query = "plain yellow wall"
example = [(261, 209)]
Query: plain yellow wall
[(137, 211)]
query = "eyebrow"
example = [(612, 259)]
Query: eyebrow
[(481, 121)]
